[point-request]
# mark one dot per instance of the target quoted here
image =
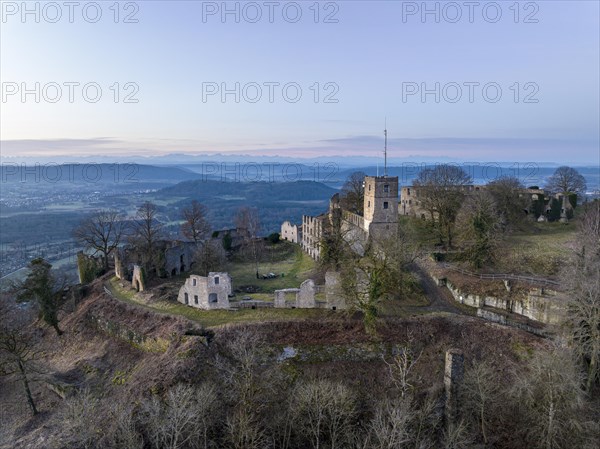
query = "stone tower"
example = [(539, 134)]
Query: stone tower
[(381, 206), (453, 379)]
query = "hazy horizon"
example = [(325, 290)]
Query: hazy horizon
[(496, 83)]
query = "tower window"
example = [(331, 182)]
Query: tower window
[(194, 282), (385, 204), (386, 188), (368, 204), (216, 280)]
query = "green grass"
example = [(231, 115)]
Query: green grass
[(540, 251), (297, 267)]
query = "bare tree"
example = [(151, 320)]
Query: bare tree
[(457, 436), (482, 393), (122, 431), (511, 201), (210, 256), (245, 380), (244, 430), (550, 394), (479, 228), (401, 367), (441, 191), (390, 427), (334, 247), (147, 231), (400, 252), (381, 273), (353, 193), (183, 419), (101, 232), (365, 283), (582, 278), (196, 225), (19, 355), (80, 417), (248, 222), (325, 411), (566, 180)]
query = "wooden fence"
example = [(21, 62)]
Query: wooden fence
[(504, 276)]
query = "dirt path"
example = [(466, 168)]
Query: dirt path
[(440, 299)]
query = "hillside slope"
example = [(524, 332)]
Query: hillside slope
[(125, 353)]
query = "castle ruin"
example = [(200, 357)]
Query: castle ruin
[(206, 292)]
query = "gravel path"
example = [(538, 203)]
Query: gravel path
[(440, 299)]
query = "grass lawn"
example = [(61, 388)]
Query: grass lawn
[(296, 268), (540, 251)]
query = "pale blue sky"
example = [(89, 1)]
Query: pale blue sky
[(368, 54)]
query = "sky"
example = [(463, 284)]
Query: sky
[(502, 81)]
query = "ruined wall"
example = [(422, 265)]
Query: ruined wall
[(306, 296), (206, 292), (355, 236), (410, 203), (543, 305), (120, 268), (312, 232), (138, 279), (334, 294), (179, 258), (290, 232), (88, 267), (453, 378)]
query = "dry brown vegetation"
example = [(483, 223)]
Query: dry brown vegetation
[(119, 365)]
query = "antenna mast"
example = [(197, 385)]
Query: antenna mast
[(385, 150)]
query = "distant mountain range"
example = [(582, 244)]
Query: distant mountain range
[(124, 175)]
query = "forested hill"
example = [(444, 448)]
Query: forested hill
[(276, 201), (252, 191)]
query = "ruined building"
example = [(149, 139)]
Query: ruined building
[(380, 218), (539, 202), (312, 232), (381, 206), (206, 292), (411, 200), (173, 258), (291, 232)]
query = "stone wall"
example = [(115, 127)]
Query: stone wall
[(179, 258), (290, 232), (334, 294), (138, 280), (120, 268), (312, 232), (453, 378), (356, 237), (304, 297), (542, 305), (206, 292)]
